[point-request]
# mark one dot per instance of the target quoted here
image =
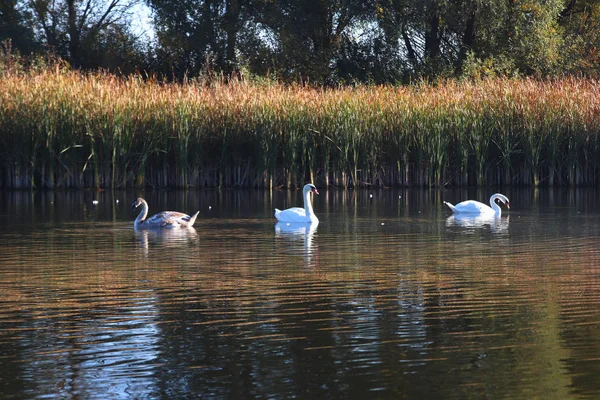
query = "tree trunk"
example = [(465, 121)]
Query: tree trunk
[(74, 35), (232, 15), (467, 42), (432, 36)]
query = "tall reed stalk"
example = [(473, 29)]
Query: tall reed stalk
[(64, 129)]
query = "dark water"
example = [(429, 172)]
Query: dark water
[(387, 298)]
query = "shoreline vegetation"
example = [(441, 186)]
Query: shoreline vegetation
[(67, 129)]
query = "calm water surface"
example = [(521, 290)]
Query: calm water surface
[(388, 297)]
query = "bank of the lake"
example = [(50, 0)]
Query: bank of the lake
[(64, 129)]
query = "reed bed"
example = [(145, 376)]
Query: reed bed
[(65, 129)]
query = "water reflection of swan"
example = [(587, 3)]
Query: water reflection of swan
[(295, 232), (165, 219), (165, 237), (297, 214), (496, 224), (476, 208)]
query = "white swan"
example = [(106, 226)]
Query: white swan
[(477, 208), (297, 214), (165, 219)]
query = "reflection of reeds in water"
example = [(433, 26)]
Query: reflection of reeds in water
[(402, 305), (66, 129)]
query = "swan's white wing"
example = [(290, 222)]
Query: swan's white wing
[(472, 207), (294, 214)]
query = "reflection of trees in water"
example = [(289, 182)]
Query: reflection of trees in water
[(234, 318), (314, 334), (86, 345), (348, 340)]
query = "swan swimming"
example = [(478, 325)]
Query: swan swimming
[(165, 219), (297, 214), (476, 208)]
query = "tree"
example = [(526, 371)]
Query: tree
[(15, 26), (438, 37), (434, 36), (71, 28), (308, 34), (117, 49), (198, 34), (580, 20), (534, 39)]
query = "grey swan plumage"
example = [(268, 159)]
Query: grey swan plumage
[(165, 219)]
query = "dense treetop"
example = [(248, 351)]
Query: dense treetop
[(317, 41)]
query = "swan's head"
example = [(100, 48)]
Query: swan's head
[(138, 202), (309, 187), (500, 198)]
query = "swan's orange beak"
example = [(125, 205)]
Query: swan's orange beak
[(507, 205), (315, 191)]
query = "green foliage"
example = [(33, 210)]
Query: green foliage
[(309, 34), (87, 34), (16, 28), (500, 66), (196, 36), (581, 52), (320, 42)]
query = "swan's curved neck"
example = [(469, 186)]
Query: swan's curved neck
[(308, 204), (495, 206), (143, 214)]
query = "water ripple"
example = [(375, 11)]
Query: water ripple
[(359, 306)]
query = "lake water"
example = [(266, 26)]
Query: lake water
[(389, 297)]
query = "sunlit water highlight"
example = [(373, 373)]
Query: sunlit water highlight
[(388, 297)]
